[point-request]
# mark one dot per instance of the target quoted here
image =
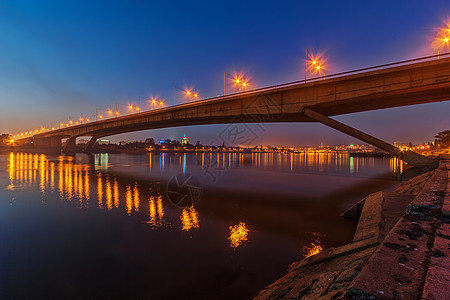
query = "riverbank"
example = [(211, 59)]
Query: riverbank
[(399, 250)]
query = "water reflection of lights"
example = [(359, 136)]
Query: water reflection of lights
[(129, 200), (396, 165), (313, 249), (73, 182), (109, 195), (100, 190), (189, 218), (156, 211), (238, 235)]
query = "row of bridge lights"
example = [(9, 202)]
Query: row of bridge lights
[(239, 82), (314, 63)]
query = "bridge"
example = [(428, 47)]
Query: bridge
[(410, 82)]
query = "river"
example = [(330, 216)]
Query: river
[(172, 226)]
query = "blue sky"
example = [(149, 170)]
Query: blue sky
[(64, 58)]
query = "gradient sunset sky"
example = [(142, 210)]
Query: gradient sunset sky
[(64, 58)]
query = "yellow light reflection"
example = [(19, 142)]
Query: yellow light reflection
[(238, 235), (129, 200), (156, 212), (136, 197), (312, 249), (86, 184), (189, 219), (109, 196), (100, 190), (52, 176), (12, 167), (116, 193)]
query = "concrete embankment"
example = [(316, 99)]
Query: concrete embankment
[(400, 249)]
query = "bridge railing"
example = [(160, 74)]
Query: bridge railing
[(319, 78)]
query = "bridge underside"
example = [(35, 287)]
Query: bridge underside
[(308, 115)]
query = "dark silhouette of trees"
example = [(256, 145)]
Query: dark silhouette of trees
[(4, 139), (443, 138)]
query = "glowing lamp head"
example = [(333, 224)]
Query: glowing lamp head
[(101, 117), (110, 112), (195, 95), (153, 101), (130, 106), (244, 84), (161, 103), (188, 92)]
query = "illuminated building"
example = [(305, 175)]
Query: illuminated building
[(184, 140)]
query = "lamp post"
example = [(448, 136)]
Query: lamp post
[(238, 80), (316, 63), (442, 39)]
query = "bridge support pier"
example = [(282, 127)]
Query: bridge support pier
[(47, 144), (70, 146), (90, 144), (409, 157)]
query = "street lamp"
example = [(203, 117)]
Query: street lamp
[(238, 80), (442, 39), (314, 62), (188, 93)]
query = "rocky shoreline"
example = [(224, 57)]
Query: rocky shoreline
[(399, 251)]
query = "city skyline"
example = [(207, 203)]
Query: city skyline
[(65, 59)]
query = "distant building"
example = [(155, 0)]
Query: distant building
[(103, 142), (184, 140)]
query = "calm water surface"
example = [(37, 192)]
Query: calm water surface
[(106, 227)]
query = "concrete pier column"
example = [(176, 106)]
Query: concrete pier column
[(51, 144), (409, 157), (70, 146), (55, 141), (90, 144)]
